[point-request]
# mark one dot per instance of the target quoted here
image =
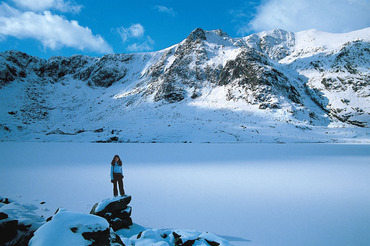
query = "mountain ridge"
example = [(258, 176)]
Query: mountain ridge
[(295, 80)]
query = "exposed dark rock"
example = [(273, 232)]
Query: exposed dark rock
[(120, 223), (212, 243), (115, 239), (105, 77), (23, 227), (189, 242), (74, 229), (268, 105), (98, 237), (113, 139), (4, 200), (178, 240), (357, 123), (104, 72), (116, 211), (197, 34), (17, 223), (3, 216), (246, 68), (6, 76), (58, 67), (59, 132), (8, 230), (173, 97), (14, 65)]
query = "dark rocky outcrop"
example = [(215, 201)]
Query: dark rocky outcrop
[(116, 211), (198, 33), (8, 230)]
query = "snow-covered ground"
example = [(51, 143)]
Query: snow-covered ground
[(249, 194)]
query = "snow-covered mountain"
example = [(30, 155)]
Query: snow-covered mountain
[(274, 86)]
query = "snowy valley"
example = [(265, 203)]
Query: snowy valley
[(270, 87)]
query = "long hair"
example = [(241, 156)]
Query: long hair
[(119, 162)]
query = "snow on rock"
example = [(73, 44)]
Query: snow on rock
[(17, 222), (20, 225), (276, 44), (115, 210), (72, 228), (167, 237)]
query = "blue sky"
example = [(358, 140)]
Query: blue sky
[(48, 28)]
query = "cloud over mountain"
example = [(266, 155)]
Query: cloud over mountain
[(297, 15), (135, 35)]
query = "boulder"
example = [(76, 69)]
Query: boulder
[(120, 223), (115, 210), (8, 230), (72, 228), (3, 216), (17, 222)]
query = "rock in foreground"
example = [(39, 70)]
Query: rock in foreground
[(17, 222), (71, 228), (116, 211)]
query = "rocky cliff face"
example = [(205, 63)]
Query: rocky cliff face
[(308, 77)]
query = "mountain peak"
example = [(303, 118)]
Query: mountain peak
[(197, 34), (220, 33)]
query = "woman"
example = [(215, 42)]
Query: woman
[(116, 175)]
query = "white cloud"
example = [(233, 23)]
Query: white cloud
[(166, 10), (52, 31), (136, 30), (41, 5), (297, 15), (135, 33)]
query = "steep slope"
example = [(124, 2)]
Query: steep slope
[(268, 87), (337, 65)]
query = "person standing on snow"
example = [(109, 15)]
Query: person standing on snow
[(116, 175)]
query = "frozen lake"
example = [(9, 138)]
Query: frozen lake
[(250, 194)]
